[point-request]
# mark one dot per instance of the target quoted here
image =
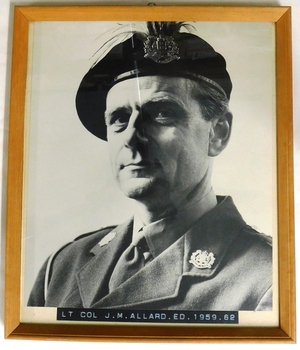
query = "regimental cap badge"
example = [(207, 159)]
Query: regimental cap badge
[(161, 49), (160, 45), (202, 259), (106, 239)]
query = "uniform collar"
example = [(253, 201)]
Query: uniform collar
[(215, 231), (164, 232), (212, 233)]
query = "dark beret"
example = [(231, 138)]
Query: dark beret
[(177, 55)]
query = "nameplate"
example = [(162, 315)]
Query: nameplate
[(148, 316)]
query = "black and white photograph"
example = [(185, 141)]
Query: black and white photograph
[(150, 168), (150, 174)]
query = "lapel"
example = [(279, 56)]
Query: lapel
[(156, 281), (162, 278), (214, 233), (93, 278)]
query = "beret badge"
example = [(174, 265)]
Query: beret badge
[(161, 49)]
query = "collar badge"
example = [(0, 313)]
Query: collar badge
[(202, 259), (106, 239)]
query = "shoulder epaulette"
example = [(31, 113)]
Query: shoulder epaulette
[(93, 232), (263, 237)]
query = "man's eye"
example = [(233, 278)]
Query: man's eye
[(165, 116), (119, 121)]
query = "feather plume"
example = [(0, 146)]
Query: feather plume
[(167, 28), (124, 31)]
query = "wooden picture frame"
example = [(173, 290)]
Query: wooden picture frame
[(15, 328)]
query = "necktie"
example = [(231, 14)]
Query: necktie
[(130, 262)]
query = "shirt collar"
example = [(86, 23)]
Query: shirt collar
[(164, 232)]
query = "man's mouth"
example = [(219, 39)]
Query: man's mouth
[(139, 165)]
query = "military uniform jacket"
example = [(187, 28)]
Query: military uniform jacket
[(239, 279)]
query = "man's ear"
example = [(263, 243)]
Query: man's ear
[(219, 134)]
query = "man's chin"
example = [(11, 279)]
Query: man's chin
[(143, 188)]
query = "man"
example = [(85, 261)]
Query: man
[(160, 99)]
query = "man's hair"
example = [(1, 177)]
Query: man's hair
[(213, 103)]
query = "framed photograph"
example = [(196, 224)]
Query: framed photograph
[(150, 175)]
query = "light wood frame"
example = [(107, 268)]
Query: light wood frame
[(285, 333)]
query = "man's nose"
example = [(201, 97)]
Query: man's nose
[(135, 131)]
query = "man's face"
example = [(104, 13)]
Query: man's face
[(158, 139)]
